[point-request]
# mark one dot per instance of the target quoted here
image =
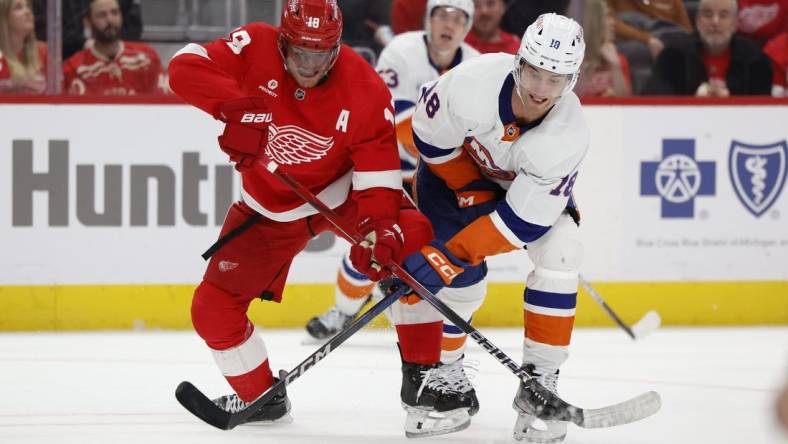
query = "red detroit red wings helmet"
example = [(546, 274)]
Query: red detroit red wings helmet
[(312, 24)]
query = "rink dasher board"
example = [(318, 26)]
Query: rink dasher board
[(709, 254)]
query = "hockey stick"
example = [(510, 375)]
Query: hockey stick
[(640, 329), (552, 407), (201, 406)]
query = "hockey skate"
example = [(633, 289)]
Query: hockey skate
[(275, 411), (529, 427), (455, 377), (432, 404), (326, 325)]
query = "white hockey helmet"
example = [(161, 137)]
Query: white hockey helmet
[(465, 6), (554, 43)]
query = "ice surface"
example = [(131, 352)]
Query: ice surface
[(717, 386)]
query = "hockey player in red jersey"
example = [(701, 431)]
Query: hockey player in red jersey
[(295, 95)]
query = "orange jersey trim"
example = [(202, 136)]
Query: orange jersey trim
[(478, 240), (457, 172), (404, 129)]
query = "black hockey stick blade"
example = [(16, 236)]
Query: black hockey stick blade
[(193, 400)]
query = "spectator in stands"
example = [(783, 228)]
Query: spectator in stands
[(604, 72), (713, 62), (777, 50), (73, 31), (762, 20), (22, 57), (646, 23), (486, 34), (366, 24), (112, 66), (408, 15), (521, 13)]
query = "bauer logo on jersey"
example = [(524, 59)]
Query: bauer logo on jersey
[(289, 145), (256, 118), (678, 178), (758, 173)]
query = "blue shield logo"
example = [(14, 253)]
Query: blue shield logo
[(758, 173)]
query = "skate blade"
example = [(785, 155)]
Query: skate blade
[(286, 419), (421, 424), (530, 429), (311, 340)]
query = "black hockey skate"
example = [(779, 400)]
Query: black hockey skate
[(433, 405), (277, 410), (326, 325), (455, 377), (529, 406)]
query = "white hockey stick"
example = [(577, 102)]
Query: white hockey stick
[(640, 329)]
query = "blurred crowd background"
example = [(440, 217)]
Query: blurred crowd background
[(713, 48)]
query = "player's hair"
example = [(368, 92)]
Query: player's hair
[(28, 66)]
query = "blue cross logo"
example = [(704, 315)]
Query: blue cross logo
[(677, 178)]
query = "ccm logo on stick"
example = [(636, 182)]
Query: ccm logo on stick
[(256, 118)]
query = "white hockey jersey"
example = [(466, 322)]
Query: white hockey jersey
[(405, 66), (468, 113)]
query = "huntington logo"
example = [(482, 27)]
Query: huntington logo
[(758, 173), (678, 178)]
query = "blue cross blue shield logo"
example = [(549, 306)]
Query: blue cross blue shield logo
[(677, 178), (758, 173)]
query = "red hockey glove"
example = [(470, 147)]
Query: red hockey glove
[(381, 246), (245, 131)]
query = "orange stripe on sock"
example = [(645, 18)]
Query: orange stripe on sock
[(451, 344), (353, 291), (552, 330)]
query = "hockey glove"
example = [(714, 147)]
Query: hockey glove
[(434, 266), (246, 130), (381, 246)]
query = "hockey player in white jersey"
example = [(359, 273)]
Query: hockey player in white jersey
[(501, 139), (406, 63)]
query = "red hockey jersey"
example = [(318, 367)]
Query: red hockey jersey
[(332, 138), (136, 69)]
